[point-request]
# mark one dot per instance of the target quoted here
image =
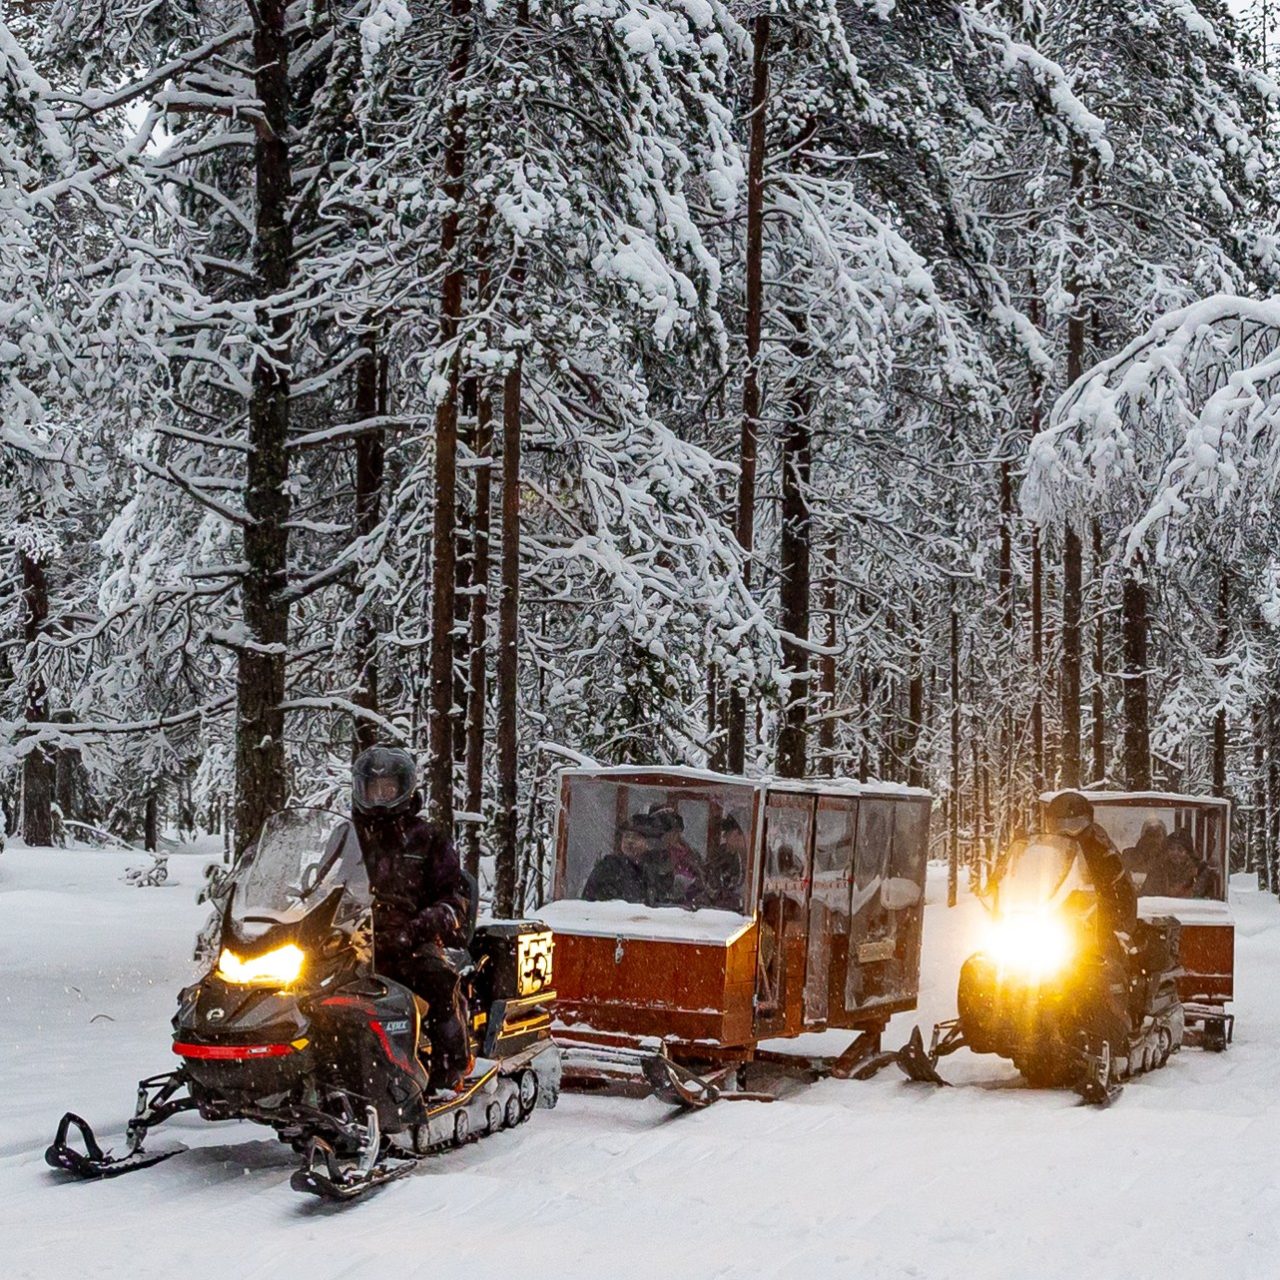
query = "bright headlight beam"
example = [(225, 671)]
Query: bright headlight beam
[(1031, 945), (277, 968)]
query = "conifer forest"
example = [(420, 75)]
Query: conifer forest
[(882, 389)]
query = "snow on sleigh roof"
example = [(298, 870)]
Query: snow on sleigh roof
[(1171, 798), (652, 924), (809, 786)]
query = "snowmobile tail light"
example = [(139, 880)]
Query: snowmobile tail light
[(277, 968), (1031, 945)]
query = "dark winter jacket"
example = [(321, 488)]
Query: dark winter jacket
[(420, 896), (648, 880), (1117, 897)]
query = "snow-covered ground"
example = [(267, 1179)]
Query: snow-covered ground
[(887, 1179)]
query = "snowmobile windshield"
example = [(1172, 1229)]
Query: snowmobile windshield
[(300, 858), (1036, 872)]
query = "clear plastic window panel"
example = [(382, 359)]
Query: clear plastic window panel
[(1172, 851), (886, 901), (657, 846), (788, 829), (835, 835)]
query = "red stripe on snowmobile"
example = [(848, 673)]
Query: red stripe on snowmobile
[(350, 1002), (232, 1052), (378, 1030)]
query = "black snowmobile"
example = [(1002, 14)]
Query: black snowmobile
[(293, 1027), (1071, 1002)]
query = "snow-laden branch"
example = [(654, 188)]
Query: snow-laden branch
[(1179, 428)]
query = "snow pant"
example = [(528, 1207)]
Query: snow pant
[(429, 974)]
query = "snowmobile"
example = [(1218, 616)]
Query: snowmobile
[(1071, 1002), (293, 1027)]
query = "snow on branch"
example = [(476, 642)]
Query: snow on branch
[(1182, 427)]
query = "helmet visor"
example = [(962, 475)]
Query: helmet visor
[(382, 779)]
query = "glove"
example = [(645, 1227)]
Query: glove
[(437, 921)]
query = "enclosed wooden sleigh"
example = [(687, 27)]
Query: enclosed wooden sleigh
[(698, 915)]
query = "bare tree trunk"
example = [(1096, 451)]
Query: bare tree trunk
[(915, 708), (38, 771), (827, 674), (479, 627), (713, 726), (1274, 796), (478, 603), (1072, 551), (794, 584), (464, 548), (953, 842), (1220, 719), (1037, 660), (151, 822), (1072, 576), (440, 753), (370, 402), (261, 783), (507, 817), (1097, 698), (1008, 621), (1258, 808), (736, 718), (1137, 729), (864, 722)]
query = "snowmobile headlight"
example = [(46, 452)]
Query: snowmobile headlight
[(1031, 945), (276, 968)]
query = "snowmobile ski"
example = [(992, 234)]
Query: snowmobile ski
[(156, 1103), (325, 1174), (331, 1183), (917, 1064), (93, 1162), (1097, 1087), (680, 1086)]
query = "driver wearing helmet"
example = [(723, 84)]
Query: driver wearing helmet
[(1070, 815), (421, 899)]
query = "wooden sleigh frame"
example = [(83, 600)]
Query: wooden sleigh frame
[(827, 934)]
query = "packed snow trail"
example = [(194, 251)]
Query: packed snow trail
[(879, 1180)]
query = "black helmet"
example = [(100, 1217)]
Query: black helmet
[(1069, 813), (383, 781)]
